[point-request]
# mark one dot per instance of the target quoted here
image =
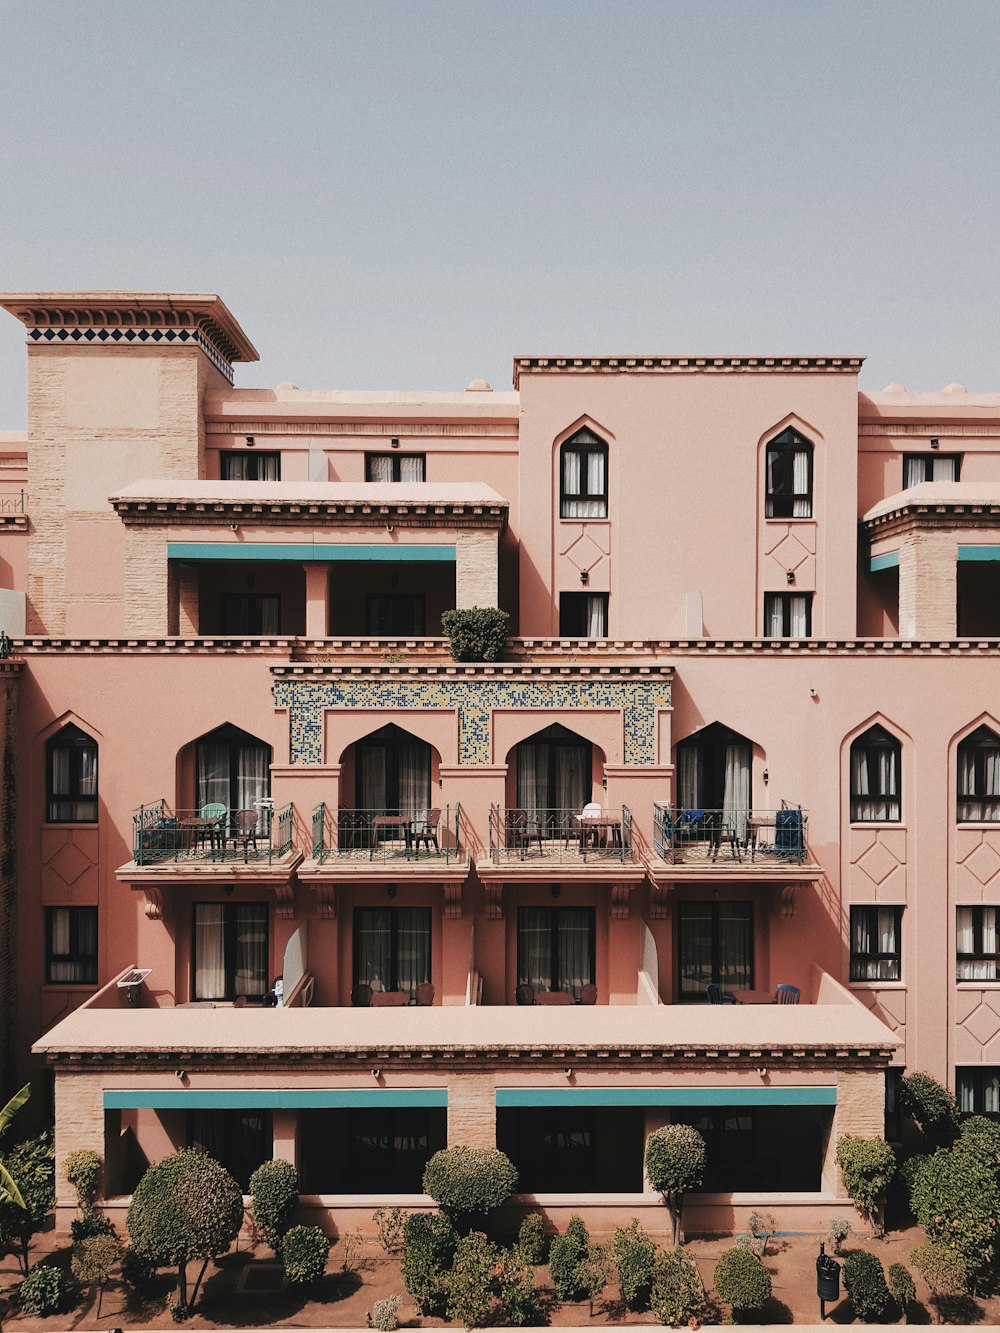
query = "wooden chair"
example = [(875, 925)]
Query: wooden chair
[(244, 830), (425, 831), (588, 993), (361, 996), (517, 832), (425, 993), (525, 994), (786, 994), (716, 995)]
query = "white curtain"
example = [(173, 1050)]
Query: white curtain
[(942, 469), (414, 778), (775, 627), (798, 616), (968, 1080), (252, 764), (874, 782), (213, 774), (802, 506), (976, 968), (270, 614), (413, 948), (250, 961), (689, 766), (572, 777), (595, 616), (209, 951), (736, 802), (380, 467), (573, 945), (411, 467), (251, 467), (375, 930)]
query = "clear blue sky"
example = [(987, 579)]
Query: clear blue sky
[(407, 194)]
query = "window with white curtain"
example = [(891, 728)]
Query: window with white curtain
[(788, 615), (71, 777), (251, 613), (976, 943), (875, 943), (714, 943), (554, 778), (230, 951), (788, 465), (395, 467), (875, 785), (393, 773), (929, 467), (555, 948), (977, 1088), (583, 615), (583, 477), (979, 777), (392, 948), (249, 465), (71, 945), (713, 773), (233, 769)]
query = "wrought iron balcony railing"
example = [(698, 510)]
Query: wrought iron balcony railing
[(565, 836), (14, 502), (744, 836), (383, 835), (213, 833)]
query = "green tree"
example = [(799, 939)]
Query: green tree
[(956, 1199), (9, 1192), (867, 1165), (469, 1183), (932, 1106), (93, 1261), (742, 1281), (678, 1293), (675, 1163), (186, 1207), (31, 1165), (274, 1188)]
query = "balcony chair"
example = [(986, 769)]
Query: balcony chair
[(789, 839), (361, 996), (716, 995), (244, 830), (425, 993), (786, 994), (588, 826), (425, 831), (588, 994), (525, 994), (517, 832), (215, 812)]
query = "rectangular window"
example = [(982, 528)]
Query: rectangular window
[(875, 943), (251, 613), (788, 615), (395, 613), (395, 467), (249, 465), (788, 477), (71, 777), (230, 951), (929, 467), (583, 615), (977, 1088), (976, 943), (583, 477), (555, 948), (71, 945), (715, 943), (392, 948), (239, 1140)]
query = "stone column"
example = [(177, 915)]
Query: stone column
[(476, 568), (317, 599), (928, 585), (472, 1115)]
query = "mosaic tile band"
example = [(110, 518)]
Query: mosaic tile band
[(474, 700)]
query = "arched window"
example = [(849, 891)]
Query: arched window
[(583, 477), (875, 763), (393, 773), (789, 469), (713, 771), (554, 774), (71, 777), (979, 777), (234, 769)]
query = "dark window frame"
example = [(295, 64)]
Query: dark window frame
[(553, 933), (396, 461), (392, 983), (255, 605), (573, 612), (978, 954), (982, 743), (585, 448), (396, 600), (76, 956), (392, 738), (230, 1144), (77, 742), (874, 741), (711, 742), (785, 600), (235, 739), (780, 502), (230, 915), (929, 456), (977, 1076), (747, 911), (259, 456), (556, 739), (891, 960)]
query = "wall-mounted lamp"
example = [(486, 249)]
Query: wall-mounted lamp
[(555, 890), (235, 527), (249, 440), (390, 891), (789, 575), (934, 441), (812, 693), (767, 777), (568, 1072), (584, 576), (388, 528), (604, 782), (181, 1074), (394, 442), (376, 1073), (762, 1070)]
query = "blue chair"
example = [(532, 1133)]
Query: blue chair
[(787, 994), (716, 995), (789, 841)]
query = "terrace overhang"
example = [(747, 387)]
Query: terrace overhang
[(152, 881), (325, 878), (934, 506)]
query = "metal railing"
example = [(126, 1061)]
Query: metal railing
[(380, 835), (595, 833), (15, 503), (160, 834), (708, 837)]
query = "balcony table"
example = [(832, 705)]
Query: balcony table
[(597, 827), (554, 997), (390, 999), (194, 828), (391, 823), (754, 996), (195, 1004)]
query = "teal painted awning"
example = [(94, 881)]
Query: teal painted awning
[(693, 1097), (268, 1099), (888, 561), (978, 553), (308, 552)]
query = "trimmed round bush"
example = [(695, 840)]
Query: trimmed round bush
[(634, 1254), (675, 1163), (476, 633), (470, 1182), (742, 1281), (567, 1255), (84, 1169), (901, 1284), (275, 1190), (304, 1252), (678, 1293), (429, 1242), (42, 1291), (982, 1135), (867, 1165), (864, 1281), (93, 1259), (956, 1199), (931, 1105), (531, 1242)]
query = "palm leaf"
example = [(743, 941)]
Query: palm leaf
[(13, 1106), (9, 1193)]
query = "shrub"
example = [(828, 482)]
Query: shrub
[(864, 1281), (304, 1252), (93, 1261), (531, 1239), (185, 1207), (84, 1169), (42, 1291), (469, 1182), (469, 1285), (675, 1163), (943, 1270), (742, 1281), (982, 1136), (904, 1293), (31, 1167), (932, 1106), (567, 1254), (515, 1287), (678, 1293), (837, 1232), (274, 1188), (956, 1200), (755, 1244), (389, 1225), (635, 1257), (137, 1271), (429, 1242), (91, 1224), (867, 1166), (477, 633), (595, 1271), (908, 1172), (762, 1228), (9, 1192), (384, 1314)]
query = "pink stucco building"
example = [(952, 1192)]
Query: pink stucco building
[(744, 742)]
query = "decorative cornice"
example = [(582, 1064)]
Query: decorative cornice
[(150, 512), (683, 365), (924, 430), (376, 430), (14, 522), (473, 670), (912, 514)]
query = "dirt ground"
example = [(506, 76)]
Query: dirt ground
[(342, 1299)]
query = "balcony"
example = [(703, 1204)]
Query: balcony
[(365, 836), (561, 837)]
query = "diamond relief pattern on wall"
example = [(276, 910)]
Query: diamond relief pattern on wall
[(584, 552), (69, 863), (878, 863), (790, 553), (983, 863), (983, 1025)]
